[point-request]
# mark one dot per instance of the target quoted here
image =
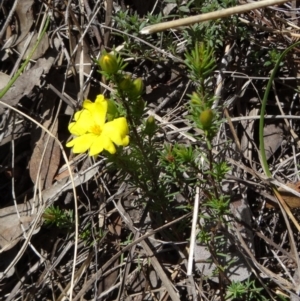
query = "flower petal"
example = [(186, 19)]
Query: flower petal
[(82, 143), (117, 131), (97, 109), (100, 98), (83, 122), (100, 143)]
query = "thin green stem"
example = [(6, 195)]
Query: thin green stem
[(139, 144), (263, 109), (21, 69), (212, 173)]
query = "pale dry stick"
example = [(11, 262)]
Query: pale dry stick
[(221, 78), (232, 129), (283, 266), (81, 64), (67, 13), (180, 130), (154, 7), (22, 250), (210, 16), (8, 19), (193, 233)]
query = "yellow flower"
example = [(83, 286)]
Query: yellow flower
[(93, 133)]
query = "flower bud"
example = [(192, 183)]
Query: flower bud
[(137, 88), (125, 83), (150, 126), (206, 118), (195, 99), (108, 63), (112, 110)]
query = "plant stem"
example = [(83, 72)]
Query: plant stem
[(141, 148), (263, 109)]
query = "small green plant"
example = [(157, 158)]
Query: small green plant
[(212, 169), (90, 236), (272, 57), (161, 173), (54, 216), (129, 27), (214, 33), (244, 291)]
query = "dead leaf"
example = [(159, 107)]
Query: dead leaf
[(273, 136), (63, 174), (74, 39), (10, 227), (46, 153), (40, 50), (4, 79), (26, 82), (292, 200), (25, 18)]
